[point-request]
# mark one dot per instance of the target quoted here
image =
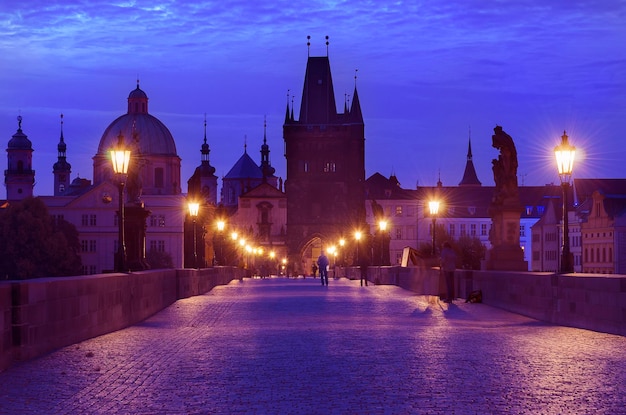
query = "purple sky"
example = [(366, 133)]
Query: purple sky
[(427, 72)]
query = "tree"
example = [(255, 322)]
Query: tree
[(34, 245), (159, 260), (471, 251)]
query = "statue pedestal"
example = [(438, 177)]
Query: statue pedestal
[(506, 254), (135, 229)]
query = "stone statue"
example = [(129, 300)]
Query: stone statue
[(505, 169), (505, 210)]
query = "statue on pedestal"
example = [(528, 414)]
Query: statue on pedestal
[(505, 209)]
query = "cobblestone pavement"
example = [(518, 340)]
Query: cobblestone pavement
[(284, 346)]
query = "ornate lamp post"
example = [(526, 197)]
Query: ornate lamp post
[(564, 154), (357, 236), (120, 158), (382, 226), (221, 225), (194, 207), (433, 207)]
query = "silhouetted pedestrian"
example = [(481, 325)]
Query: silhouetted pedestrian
[(323, 264), (448, 266), (363, 265)]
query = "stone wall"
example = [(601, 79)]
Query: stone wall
[(589, 301), (42, 315)]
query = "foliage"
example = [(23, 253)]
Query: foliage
[(159, 260), (471, 251), (34, 245)]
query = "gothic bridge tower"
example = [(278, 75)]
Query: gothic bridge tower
[(325, 153)]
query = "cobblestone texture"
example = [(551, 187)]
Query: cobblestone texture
[(283, 346)]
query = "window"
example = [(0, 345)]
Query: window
[(463, 230), (473, 229), (88, 245), (92, 220), (522, 230), (398, 233), (483, 229), (158, 246), (84, 220), (452, 230), (157, 220), (158, 177), (529, 210), (540, 210), (329, 167), (399, 210)]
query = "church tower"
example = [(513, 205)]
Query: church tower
[(325, 152), (19, 177), (61, 169), (204, 181)]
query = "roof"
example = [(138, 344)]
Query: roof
[(378, 187), (584, 188), (245, 168)]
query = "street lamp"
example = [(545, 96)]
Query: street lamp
[(433, 206), (382, 226), (221, 225), (357, 236), (564, 154), (120, 158), (194, 207)]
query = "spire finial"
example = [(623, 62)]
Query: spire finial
[(19, 122), (245, 143), (205, 127), (61, 127), (355, 72), (137, 81), (308, 45), (326, 45), (265, 129)]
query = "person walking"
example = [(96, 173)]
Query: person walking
[(448, 266), (314, 270), (323, 264)]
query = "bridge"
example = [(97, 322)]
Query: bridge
[(279, 345)]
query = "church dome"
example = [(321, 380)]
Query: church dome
[(152, 136), (147, 134), (20, 141)]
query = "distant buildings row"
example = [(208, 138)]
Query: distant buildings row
[(325, 199)]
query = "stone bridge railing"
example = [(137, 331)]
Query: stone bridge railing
[(589, 301), (40, 315)]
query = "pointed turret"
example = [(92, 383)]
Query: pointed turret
[(470, 178), (356, 116), (266, 166), (61, 169)]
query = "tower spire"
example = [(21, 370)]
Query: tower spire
[(470, 178)]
